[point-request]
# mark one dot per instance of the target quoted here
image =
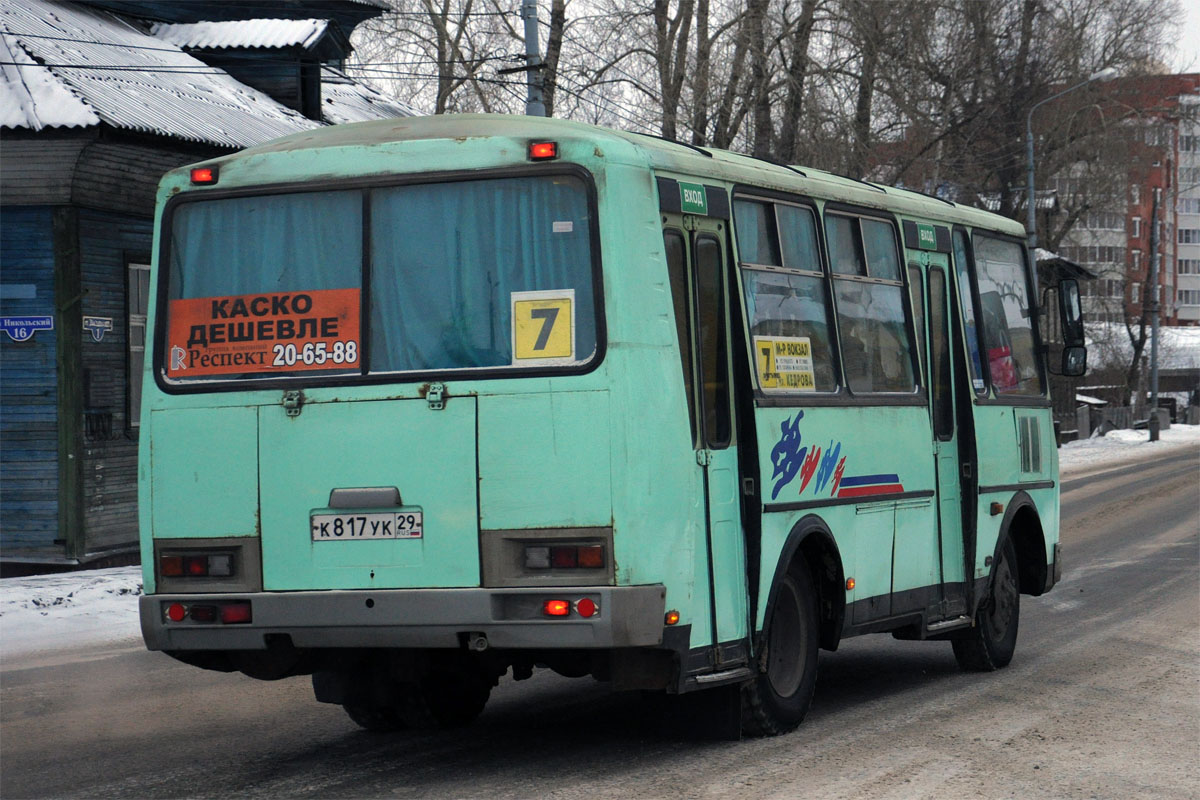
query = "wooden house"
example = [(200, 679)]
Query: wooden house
[(98, 100)]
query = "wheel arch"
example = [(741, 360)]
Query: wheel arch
[(811, 538), (1024, 525)]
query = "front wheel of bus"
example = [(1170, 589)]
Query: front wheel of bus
[(777, 699), (991, 642)]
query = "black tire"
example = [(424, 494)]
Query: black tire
[(377, 719), (452, 694), (780, 694), (991, 642)]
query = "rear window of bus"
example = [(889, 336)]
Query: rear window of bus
[(430, 277)]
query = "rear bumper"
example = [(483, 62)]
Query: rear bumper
[(629, 616)]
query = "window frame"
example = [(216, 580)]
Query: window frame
[(918, 394), (759, 195), (993, 397), (364, 184)]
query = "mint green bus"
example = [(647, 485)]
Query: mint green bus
[(431, 400)]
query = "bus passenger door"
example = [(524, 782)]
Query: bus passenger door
[(712, 401), (945, 441)]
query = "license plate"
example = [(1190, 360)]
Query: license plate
[(389, 525)]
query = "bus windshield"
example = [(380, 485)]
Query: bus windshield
[(412, 278)]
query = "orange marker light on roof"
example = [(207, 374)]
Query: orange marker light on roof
[(204, 175), (543, 151)]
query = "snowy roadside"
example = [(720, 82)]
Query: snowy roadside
[(44, 613)]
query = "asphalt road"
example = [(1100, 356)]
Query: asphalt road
[(1102, 700)]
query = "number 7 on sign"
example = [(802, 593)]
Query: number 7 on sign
[(543, 327)]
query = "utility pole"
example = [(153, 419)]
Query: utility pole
[(1152, 307), (535, 105)]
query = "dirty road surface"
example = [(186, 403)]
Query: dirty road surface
[(1101, 700)]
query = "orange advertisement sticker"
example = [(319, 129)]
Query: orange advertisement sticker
[(275, 332)]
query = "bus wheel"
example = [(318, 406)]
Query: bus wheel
[(377, 719), (778, 697), (451, 694), (990, 643)]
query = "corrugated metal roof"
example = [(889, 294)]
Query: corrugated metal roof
[(243, 34), (134, 81), (346, 100), (32, 97)]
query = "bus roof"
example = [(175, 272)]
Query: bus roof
[(654, 152)]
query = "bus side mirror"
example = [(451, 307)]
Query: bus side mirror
[(1074, 361), (1071, 314)]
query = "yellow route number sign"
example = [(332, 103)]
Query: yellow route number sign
[(543, 327), (784, 363)]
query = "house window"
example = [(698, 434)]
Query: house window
[(137, 302), (1188, 266), (1189, 297), (1135, 293), (1137, 260), (1137, 228), (1189, 235)]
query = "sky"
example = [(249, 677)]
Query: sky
[(1187, 59)]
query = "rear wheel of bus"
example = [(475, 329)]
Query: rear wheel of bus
[(991, 642), (450, 690), (777, 699)]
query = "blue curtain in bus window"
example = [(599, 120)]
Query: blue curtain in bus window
[(269, 243), (1007, 322), (968, 309), (756, 239), (446, 258)]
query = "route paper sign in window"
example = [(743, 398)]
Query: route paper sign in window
[(543, 327), (785, 363), (276, 332)]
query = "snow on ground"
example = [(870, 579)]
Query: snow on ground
[(44, 613)]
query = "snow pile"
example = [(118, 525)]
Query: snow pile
[(49, 612), (1123, 446)]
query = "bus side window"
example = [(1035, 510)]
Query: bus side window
[(789, 303), (939, 357), (710, 320), (918, 304), (1004, 300), (876, 350), (677, 274), (966, 300)]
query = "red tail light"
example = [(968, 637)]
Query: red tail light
[(176, 612), (235, 613), (170, 566), (586, 607), (203, 613), (556, 608), (196, 566), (564, 557)]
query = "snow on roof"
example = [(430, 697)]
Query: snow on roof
[(248, 33), (346, 100), (134, 81), (32, 97)]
